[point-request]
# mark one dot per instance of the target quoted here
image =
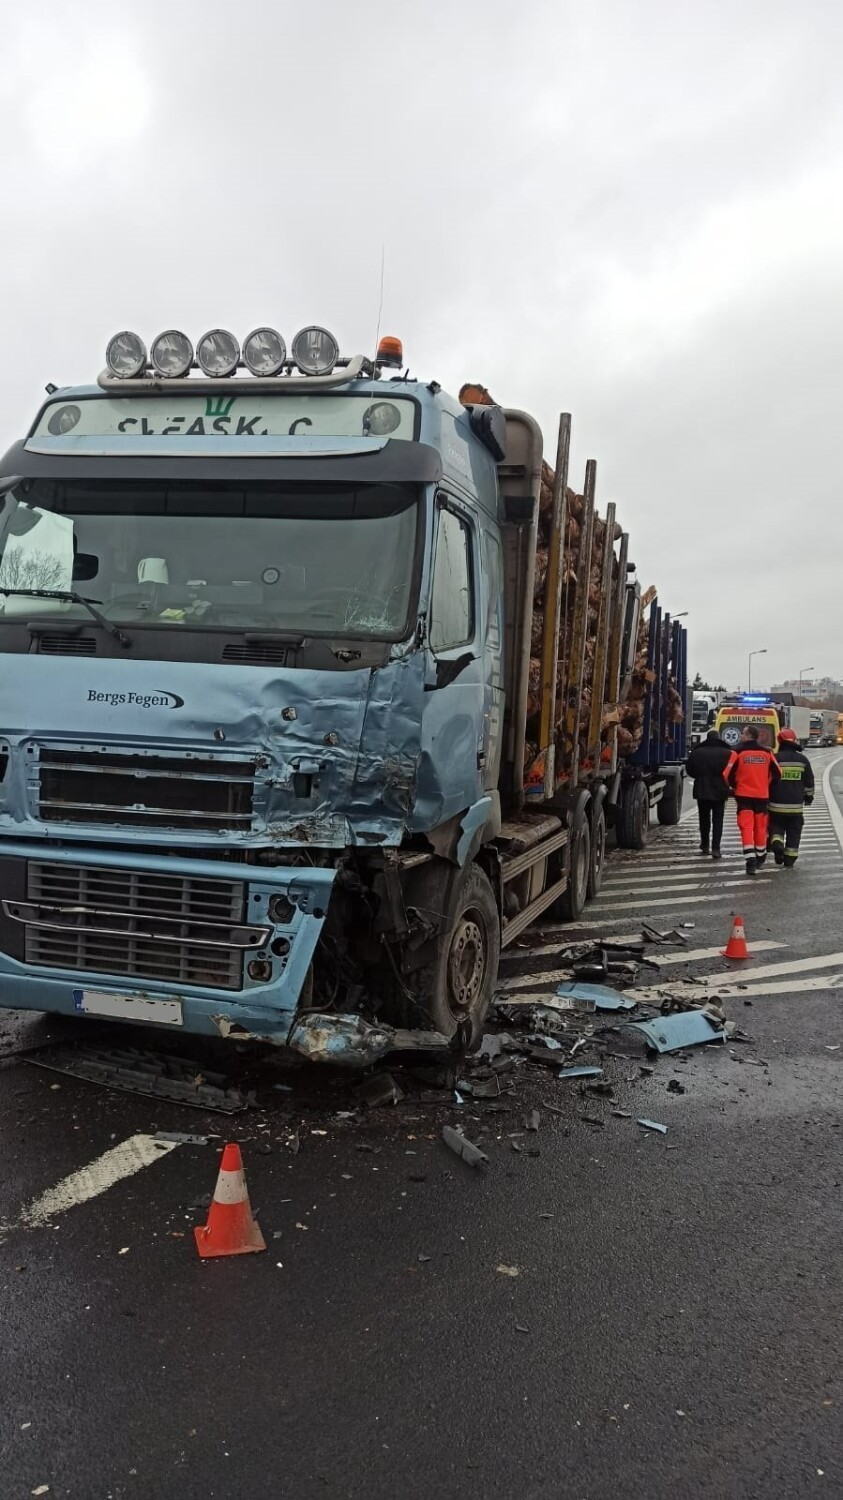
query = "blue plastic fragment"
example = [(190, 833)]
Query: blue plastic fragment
[(687, 1028), (538, 1039), (653, 1125), (580, 1073), (600, 995)]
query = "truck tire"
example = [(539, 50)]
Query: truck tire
[(598, 852), (570, 904), (632, 820), (669, 809), (455, 990)]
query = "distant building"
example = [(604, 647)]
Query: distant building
[(818, 688)]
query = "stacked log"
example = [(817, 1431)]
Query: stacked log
[(625, 720)]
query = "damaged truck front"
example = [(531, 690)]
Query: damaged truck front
[(265, 647)]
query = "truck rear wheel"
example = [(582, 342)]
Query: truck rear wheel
[(455, 990), (598, 853), (572, 901), (633, 817), (669, 809)]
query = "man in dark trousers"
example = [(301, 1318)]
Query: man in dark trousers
[(751, 772), (706, 764), (792, 793)]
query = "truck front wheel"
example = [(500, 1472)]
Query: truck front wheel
[(455, 989)]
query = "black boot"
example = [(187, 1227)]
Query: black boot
[(703, 848), (750, 866), (715, 854)]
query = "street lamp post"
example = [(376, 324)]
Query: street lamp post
[(802, 674), (761, 652)]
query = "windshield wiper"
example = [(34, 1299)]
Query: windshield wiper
[(70, 596)]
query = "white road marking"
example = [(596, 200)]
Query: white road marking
[(559, 976), (725, 991), (692, 954), (831, 806), (678, 901), (121, 1161), (744, 975)]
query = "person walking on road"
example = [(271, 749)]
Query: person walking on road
[(751, 772), (794, 791), (706, 764)]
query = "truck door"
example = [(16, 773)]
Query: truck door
[(453, 721)]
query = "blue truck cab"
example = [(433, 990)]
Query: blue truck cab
[(264, 644)]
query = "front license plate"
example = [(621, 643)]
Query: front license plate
[(127, 1007)]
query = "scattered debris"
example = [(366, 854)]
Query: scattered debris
[(582, 1072), (521, 1328), (180, 1139), (653, 1125), (675, 1087), (687, 1028), (653, 935), (623, 1114), (381, 1088), (533, 1120), (491, 1046), (597, 996), (508, 1270), (457, 1142)]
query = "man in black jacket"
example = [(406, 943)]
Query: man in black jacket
[(706, 763), (795, 790)]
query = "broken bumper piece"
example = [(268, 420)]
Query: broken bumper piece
[(352, 1042)]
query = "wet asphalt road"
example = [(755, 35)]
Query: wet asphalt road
[(674, 1326)]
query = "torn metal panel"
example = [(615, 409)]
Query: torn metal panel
[(581, 1072), (353, 1042), (689, 1028), (595, 996)]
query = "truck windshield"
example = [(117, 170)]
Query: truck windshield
[(318, 560)]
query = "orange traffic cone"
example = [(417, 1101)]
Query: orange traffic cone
[(736, 946), (230, 1229)]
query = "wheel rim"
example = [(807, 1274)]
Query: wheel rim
[(467, 963)]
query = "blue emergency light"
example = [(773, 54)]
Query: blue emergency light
[(755, 698)]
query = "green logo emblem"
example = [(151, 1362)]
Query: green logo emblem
[(219, 406)]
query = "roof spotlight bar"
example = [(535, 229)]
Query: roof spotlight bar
[(314, 360)]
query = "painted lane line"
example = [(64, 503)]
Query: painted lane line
[(121, 1161), (660, 901), (725, 991), (831, 802), (707, 982), (559, 976)]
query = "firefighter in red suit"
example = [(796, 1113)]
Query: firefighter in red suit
[(752, 771)]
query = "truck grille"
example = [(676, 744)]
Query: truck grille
[(147, 926), (148, 791)]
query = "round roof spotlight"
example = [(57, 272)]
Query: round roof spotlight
[(63, 419), (125, 356), (315, 351), (264, 352), (380, 419), (172, 354), (218, 352)]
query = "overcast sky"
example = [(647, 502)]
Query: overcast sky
[(629, 209)]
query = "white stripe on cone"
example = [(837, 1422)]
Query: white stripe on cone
[(231, 1187)]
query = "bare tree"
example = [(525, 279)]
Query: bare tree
[(30, 570)]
